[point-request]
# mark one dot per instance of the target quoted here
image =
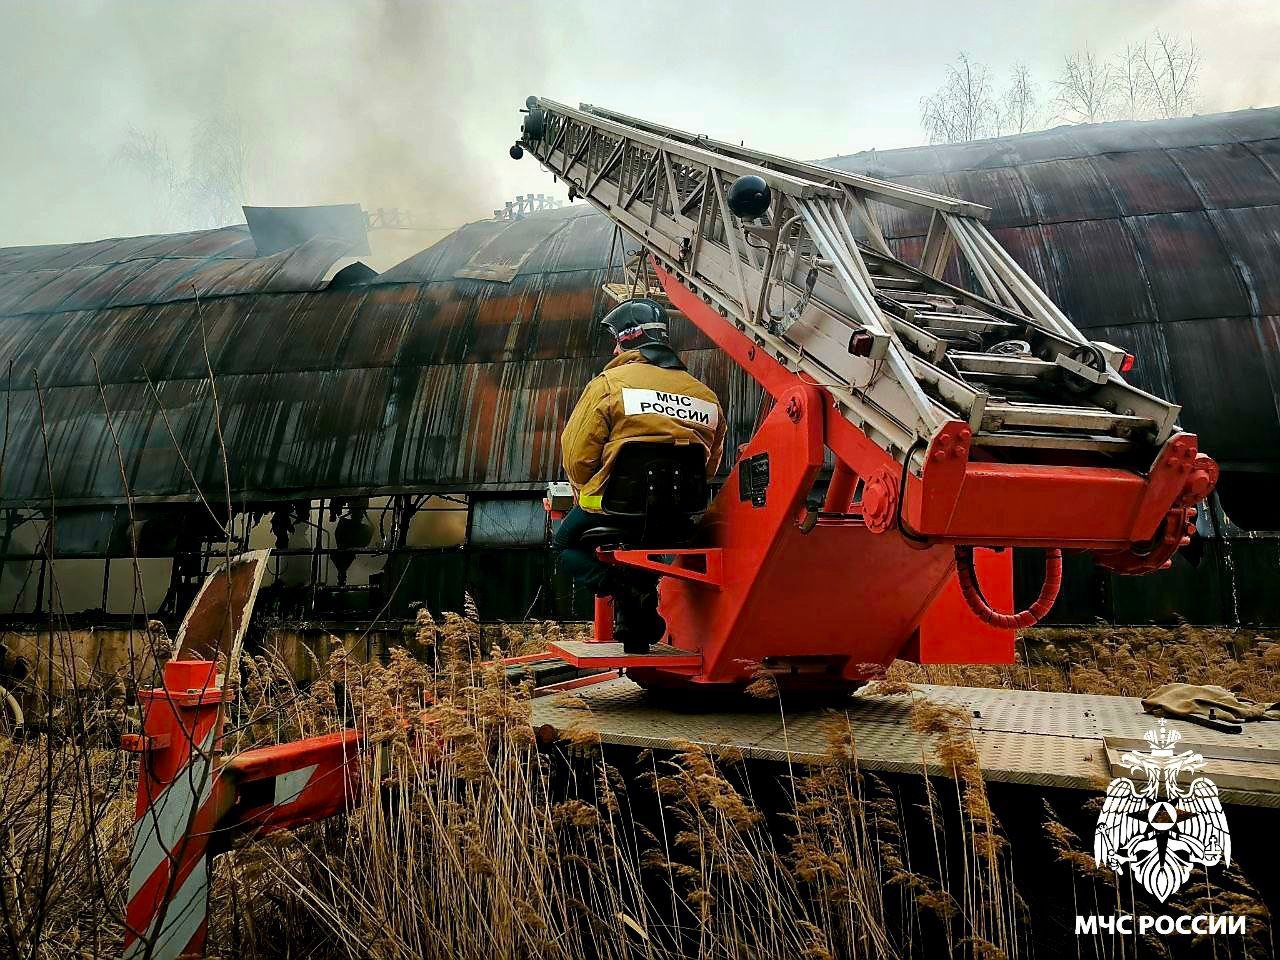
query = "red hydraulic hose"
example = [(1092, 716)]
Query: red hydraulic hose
[(1009, 621)]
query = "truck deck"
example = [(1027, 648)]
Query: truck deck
[(1059, 740)]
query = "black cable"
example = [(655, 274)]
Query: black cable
[(902, 495)]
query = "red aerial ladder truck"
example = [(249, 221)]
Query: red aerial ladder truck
[(957, 420), (961, 423)]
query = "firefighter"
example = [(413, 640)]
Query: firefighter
[(616, 408)]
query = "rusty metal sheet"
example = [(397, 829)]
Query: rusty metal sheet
[(171, 277), (218, 618), (15, 333), (54, 256), (445, 257), (1228, 175), (1220, 363), (232, 242), (225, 277), (1069, 189), (159, 280), (422, 380), (303, 267), (891, 164), (1032, 247), (1267, 151), (1191, 273), (445, 426), (17, 288), (94, 286), (564, 240), (1212, 128), (222, 242), (1100, 275), (157, 269), (61, 348), (60, 285), (502, 255), (1103, 138), (1146, 341), (1252, 234), (903, 222), (1005, 190), (1147, 181)]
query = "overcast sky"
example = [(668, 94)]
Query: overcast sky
[(413, 104)]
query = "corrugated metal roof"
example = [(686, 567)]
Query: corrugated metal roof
[(420, 379), (147, 270), (1160, 237)]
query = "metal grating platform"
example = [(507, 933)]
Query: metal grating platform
[(1039, 739)]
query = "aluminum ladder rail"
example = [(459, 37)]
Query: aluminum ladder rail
[(814, 282)]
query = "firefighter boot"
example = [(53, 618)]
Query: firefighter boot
[(654, 625), (627, 628), (638, 624)]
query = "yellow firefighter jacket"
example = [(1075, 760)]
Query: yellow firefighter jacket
[(633, 401)]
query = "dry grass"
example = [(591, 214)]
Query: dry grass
[(478, 843), (474, 841), (1124, 661), (66, 816)]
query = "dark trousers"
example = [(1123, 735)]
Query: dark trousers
[(635, 592), (579, 560)]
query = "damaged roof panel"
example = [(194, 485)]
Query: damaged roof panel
[(159, 270)]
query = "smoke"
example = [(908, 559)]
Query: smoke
[(412, 103), (141, 117)]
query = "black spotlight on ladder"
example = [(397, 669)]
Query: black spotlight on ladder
[(749, 197)]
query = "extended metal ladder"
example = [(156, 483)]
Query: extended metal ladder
[(811, 278)]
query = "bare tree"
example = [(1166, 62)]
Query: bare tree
[(1170, 68), (1086, 89), (1019, 106), (218, 181), (1132, 99), (963, 107), (147, 155), (214, 184)]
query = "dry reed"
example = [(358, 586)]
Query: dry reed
[(474, 841)]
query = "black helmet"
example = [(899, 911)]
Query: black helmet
[(637, 322)]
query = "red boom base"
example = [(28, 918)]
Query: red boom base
[(817, 602)]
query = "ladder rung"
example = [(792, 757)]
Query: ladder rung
[(952, 321), (1003, 364), (930, 300), (930, 347), (1094, 444), (1065, 418), (895, 283)]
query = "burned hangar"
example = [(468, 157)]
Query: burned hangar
[(390, 434)]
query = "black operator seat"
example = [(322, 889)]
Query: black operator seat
[(656, 494)]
